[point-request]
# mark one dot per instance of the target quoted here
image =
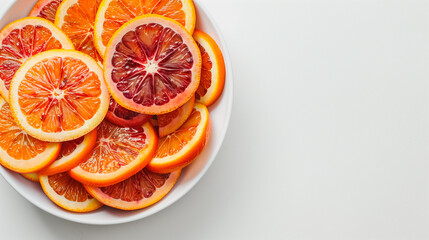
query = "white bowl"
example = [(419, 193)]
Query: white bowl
[(220, 114)]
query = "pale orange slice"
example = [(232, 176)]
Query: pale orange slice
[(59, 95), (34, 177), (72, 153), (45, 9), (68, 193), (112, 14), (170, 122), (140, 190), (19, 151), (212, 70), (181, 147), (119, 153), (76, 19), (152, 65), (22, 39)]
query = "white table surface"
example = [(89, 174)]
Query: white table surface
[(329, 137)]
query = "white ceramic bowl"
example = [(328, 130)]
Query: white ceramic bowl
[(220, 114)]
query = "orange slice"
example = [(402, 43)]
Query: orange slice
[(76, 19), (140, 190), (112, 14), (59, 95), (72, 153), (31, 176), (119, 153), (45, 9), (68, 193), (22, 39), (171, 121), (19, 151), (212, 69), (181, 147), (152, 65)]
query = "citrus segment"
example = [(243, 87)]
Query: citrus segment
[(112, 14), (119, 153), (34, 177), (152, 65), (170, 122), (124, 117), (181, 147), (68, 193), (72, 153), (212, 69), (59, 95), (76, 19), (19, 151), (22, 39), (45, 9), (140, 190)]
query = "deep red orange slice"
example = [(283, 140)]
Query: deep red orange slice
[(22, 39), (59, 95), (45, 9), (119, 153), (68, 193), (152, 65), (140, 190), (124, 117), (19, 151)]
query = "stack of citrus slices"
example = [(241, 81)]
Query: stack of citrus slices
[(104, 102)]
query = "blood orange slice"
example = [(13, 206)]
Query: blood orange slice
[(212, 70), (140, 190), (22, 39), (171, 121), (76, 19), (59, 95), (45, 9), (152, 65), (181, 147), (124, 117), (19, 151), (68, 193), (72, 153), (34, 177), (112, 14), (119, 153)]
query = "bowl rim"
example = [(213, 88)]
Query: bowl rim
[(229, 91)]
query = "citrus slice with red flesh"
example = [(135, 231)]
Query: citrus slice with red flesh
[(124, 117), (112, 14), (34, 177), (59, 95), (45, 9), (212, 69), (68, 193), (19, 151), (22, 39), (119, 153), (170, 122), (139, 191), (152, 65), (72, 153), (181, 147), (76, 19)]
